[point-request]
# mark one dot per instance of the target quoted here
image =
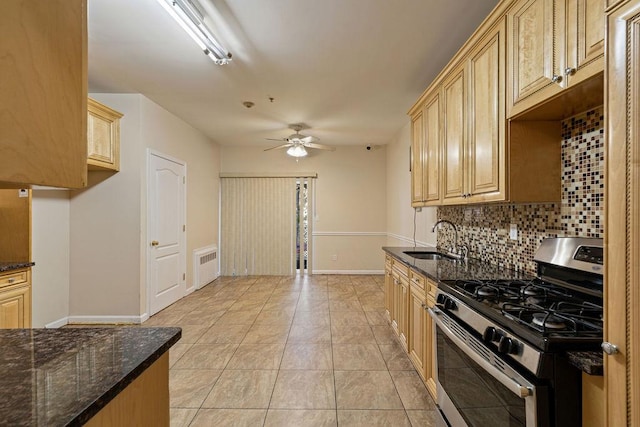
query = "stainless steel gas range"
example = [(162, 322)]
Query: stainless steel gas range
[(501, 344)]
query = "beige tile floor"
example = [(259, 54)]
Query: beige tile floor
[(284, 351)]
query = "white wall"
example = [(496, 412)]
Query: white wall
[(89, 244), (50, 251), (350, 218), (400, 214)]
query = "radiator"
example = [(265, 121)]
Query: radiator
[(205, 265)]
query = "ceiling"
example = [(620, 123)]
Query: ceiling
[(349, 69)]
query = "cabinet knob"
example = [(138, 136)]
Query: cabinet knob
[(556, 78), (570, 71), (609, 348), (154, 243), (11, 280)]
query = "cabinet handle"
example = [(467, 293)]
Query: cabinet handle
[(556, 78), (11, 280), (570, 71), (154, 243)]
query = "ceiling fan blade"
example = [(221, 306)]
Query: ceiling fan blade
[(278, 147), (276, 139), (319, 146), (309, 139)]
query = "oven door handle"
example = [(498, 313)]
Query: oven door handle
[(510, 383)]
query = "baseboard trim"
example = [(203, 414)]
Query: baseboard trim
[(352, 272), (107, 319), (57, 323)]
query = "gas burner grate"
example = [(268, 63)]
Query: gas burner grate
[(571, 319)]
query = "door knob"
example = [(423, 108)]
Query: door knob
[(154, 243)]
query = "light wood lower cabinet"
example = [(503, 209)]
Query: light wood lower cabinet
[(145, 402), (388, 289), (400, 275), (408, 294), (15, 299)]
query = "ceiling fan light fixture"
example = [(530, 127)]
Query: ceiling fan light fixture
[(191, 20), (297, 151)]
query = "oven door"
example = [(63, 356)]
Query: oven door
[(475, 386)]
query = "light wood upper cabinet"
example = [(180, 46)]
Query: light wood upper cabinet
[(487, 126), (553, 45), (535, 71), (103, 137), (425, 150), (585, 28), (43, 93), (453, 136), (417, 149), (431, 150), (474, 161)]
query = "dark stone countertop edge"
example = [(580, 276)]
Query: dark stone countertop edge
[(14, 265), (589, 362), (118, 387)]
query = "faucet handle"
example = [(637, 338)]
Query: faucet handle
[(464, 251)]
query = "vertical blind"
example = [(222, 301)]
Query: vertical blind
[(258, 226)]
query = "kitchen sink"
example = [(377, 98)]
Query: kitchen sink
[(428, 255)]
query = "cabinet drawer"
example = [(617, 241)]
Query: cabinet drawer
[(401, 269), (418, 280), (432, 288), (14, 278)]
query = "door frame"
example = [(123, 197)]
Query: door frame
[(183, 256)]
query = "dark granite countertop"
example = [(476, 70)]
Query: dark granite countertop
[(57, 377), (14, 265), (446, 269), (589, 362)]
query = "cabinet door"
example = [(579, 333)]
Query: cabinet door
[(417, 330), (43, 92), (388, 290), (431, 150), (103, 137), (453, 136), (403, 314), (585, 39), (430, 343), (486, 135), (535, 53), (15, 307), (417, 138)]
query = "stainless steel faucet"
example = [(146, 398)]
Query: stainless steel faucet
[(459, 251)]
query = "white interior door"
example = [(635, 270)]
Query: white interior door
[(166, 215)]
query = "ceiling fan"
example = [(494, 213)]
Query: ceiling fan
[(297, 143)]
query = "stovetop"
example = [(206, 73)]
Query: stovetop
[(546, 315)]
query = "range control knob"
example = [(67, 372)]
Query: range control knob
[(490, 335), (508, 346), (441, 298)]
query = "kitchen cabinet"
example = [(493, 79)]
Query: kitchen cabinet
[(553, 45), (453, 135), (474, 124), (15, 299), (417, 323), (483, 157), (388, 289), (409, 294), (426, 142), (400, 322), (103, 137), (622, 229), (43, 93), (417, 169)]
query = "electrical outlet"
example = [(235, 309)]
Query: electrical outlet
[(513, 231), (334, 257)]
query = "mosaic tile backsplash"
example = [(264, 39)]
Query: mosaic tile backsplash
[(485, 228)]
